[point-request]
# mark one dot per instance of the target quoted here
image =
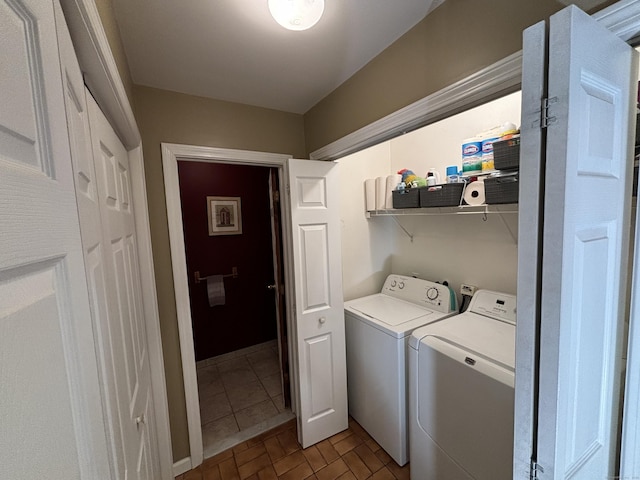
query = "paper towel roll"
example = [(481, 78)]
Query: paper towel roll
[(392, 182), (215, 290), (474, 193), (370, 194), (381, 192)]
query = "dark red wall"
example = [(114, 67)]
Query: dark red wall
[(248, 316)]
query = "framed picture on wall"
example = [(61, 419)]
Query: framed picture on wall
[(225, 215)]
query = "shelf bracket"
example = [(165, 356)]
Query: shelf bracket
[(395, 219), (506, 224)]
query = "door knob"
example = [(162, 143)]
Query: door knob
[(139, 420), (271, 287), (322, 320)]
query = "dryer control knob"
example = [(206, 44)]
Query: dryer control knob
[(432, 293), (393, 283), (401, 285)]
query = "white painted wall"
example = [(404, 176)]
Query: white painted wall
[(456, 248), (460, 248), (366, 243), (440, 144)]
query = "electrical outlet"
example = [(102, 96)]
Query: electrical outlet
[(468, 289)]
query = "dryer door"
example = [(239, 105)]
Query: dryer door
[(465, 405)]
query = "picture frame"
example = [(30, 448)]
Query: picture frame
[(225, 215)]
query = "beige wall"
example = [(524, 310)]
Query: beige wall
[(108, 19), (457, 39), (170, 117)]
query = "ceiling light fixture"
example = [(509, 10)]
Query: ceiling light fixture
[(296, 14)]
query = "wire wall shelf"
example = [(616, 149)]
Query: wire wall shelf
[(509, 208), (484, 210)]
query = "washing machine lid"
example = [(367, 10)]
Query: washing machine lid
[(479, 335), (387, 310)]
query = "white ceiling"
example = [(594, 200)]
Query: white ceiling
[(233, 50)]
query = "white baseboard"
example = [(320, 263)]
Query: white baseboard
[(181, 466)]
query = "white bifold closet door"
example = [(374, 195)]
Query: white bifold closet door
[(51, 416), (567, 417), (318, 333), (101, 172)]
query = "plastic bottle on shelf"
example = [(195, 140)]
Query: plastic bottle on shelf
[(435, 174), (452, 174)]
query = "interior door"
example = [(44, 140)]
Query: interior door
[(96, 253), (591, 91), (278, 284), (530, 220), (51, 422), (112, 262), (318, 325)]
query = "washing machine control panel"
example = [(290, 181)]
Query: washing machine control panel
[(421, 292), (500, 306)]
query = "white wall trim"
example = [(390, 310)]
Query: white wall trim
[(150, 305), (103, 79), (223, 155), (182, 466), (171, 154), (99, 68), (622, 18), (183, 309), (491, 82), (504, 76)]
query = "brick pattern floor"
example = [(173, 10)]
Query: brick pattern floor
[(277, 455)]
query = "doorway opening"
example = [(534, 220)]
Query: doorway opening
[(232, 233), (230, 280)]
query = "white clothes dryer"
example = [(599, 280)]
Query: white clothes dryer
[(377, 333), (461, 393)]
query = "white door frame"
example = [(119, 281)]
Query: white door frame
[(171, 155), (101, 74)]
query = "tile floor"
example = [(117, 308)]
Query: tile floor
[(277, 455), (239, 391)]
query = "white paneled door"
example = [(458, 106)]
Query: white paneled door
[(128, 384), (51, 423), (592, 77), (319, 335), (101, 172)]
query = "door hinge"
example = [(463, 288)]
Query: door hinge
[(276, 196), (545, 118), (288, 188), (535, 471)]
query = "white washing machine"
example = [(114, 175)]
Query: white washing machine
[(377, 334), (461, 393)]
